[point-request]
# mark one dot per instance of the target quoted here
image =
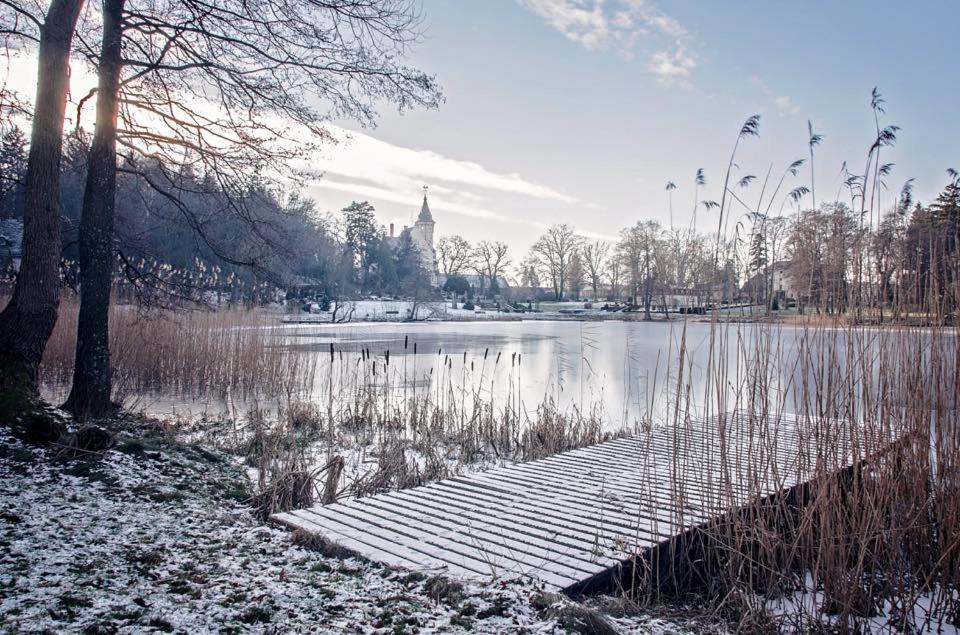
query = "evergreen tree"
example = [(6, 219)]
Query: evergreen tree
[(412, 279), (363, 238)]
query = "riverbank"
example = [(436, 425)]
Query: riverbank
[(400, 311), (737, 315), (157, 536)]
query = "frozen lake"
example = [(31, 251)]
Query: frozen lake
[(627, 368), (627, 371)]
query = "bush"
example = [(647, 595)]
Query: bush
[(469, 305), (456, 284)]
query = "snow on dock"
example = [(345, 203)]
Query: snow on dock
[(571, 518)]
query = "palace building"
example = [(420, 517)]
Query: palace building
[(422, 234)]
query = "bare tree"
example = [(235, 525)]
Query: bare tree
[(576, 274), (90, 392), (888, 245), (229, 90), (642, 249), (490, 259), (28, 319), (455, 254), (528, 273), (824, 244), (552, 252), (615, 274), (595, 258)]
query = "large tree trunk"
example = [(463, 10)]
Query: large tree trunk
[(90, 395), (28, 319)]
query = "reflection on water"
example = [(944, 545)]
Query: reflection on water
[(617, 366), (627, 369)]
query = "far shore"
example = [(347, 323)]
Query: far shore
[(726, 316)]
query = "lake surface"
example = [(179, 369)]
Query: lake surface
[(626, 372)]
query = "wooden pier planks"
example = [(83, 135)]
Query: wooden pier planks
[(569, 517)]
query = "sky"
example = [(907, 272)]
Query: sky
[(580, 111)]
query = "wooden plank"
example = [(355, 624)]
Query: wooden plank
[(519, 522), (467, 552), (553, 557), (592, 511), (621, 478), (613, 468), (597, 493), (569, 517), (361, 544), (622, 490)]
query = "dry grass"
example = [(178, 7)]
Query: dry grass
[(227, 353), (873, 546)]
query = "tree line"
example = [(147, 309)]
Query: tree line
[(829, 260), (159, 258)]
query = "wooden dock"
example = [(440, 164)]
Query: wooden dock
[(572, 518)]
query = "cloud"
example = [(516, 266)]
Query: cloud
[(362, 166), (674, 65), (653, 17), (363, 158), (449, 202), (785, 106), (597, 24), (582, 21)]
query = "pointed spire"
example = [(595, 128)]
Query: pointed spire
[(425, 215)]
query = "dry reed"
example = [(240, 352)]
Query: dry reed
[(228, 353), (872, 541)]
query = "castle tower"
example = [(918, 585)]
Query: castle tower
[(422, 235), (425, 222)]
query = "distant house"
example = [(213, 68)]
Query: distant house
[(523, 293), (681, 298), (780, 279), (11, 243), (783, 284), (477, 282)]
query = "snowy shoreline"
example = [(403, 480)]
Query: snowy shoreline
[(155, 536)]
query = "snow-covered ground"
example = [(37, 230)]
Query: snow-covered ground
[(402, 310), (798, 608), (154, 536)]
